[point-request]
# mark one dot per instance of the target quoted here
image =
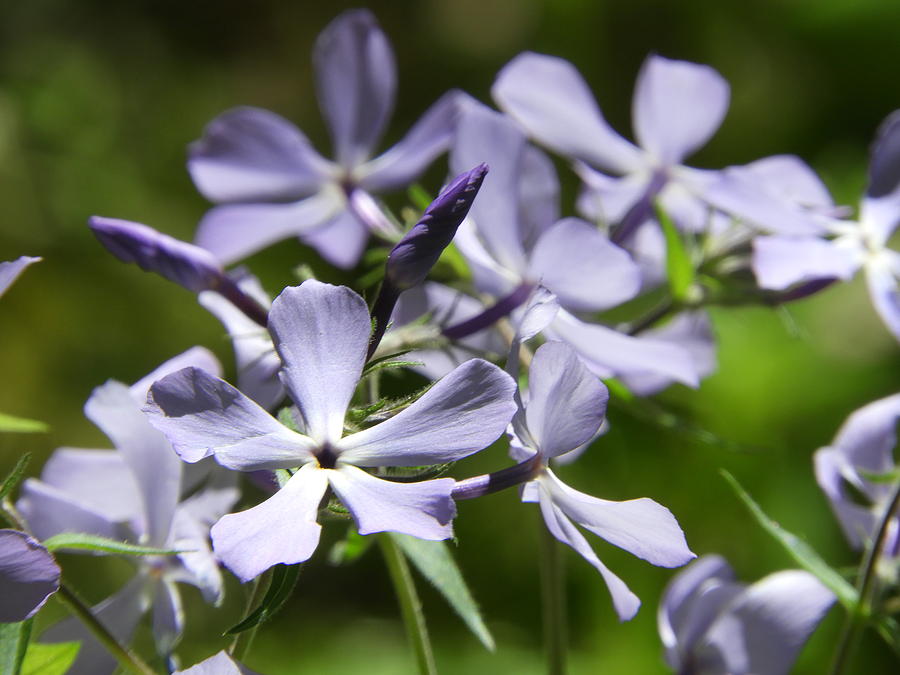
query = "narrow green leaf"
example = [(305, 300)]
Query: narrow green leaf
[(50, 659), (15, 475), (802, 553), (889, 477), (284, 579), (73, 541), (679, 269), (13, 644), (419, 196), (21, 425), (435, 562)]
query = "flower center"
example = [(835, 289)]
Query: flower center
[(326, 456)]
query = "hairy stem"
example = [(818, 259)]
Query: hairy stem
[(410, 606)]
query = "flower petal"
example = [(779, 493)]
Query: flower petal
[(202, 415), (640, 526), (321, 333), (678, 106), (549, 98), (780, 262), (198, 357), (341, 241), (10, 271), (625, 602), (50, 511), (566, 402), (763, 629), (424, 509), (28, 576), (881, 278), (168, 617), (283, 529), (405, 161), (583, 268), (464, 412), (217, 664), (356, 79), (234, 231), (833, 473)]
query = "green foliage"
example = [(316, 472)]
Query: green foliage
[(679, 269), (50, 659), (350, 548), (13, 645), (21, 425), (435, 563), (284, 579), (15, 475)]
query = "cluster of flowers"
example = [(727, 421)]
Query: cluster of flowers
[(297, 422)]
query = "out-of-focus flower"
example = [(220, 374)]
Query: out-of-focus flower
[(321, 333), (10, 271), (133, 494), (217, 664), (847, 472), (28, 576), (712, 625), (270, 182)]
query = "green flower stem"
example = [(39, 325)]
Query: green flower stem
[(242, 641), (553, 602), (126, 658), (410, 606), (855, 620)]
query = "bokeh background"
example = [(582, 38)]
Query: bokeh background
[(98, 100)]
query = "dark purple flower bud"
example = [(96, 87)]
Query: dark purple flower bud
[(411, 259), (884, 168), (28, 576), (190, 266)]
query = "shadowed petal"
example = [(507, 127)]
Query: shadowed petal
[(283, 529), (402, 164), (342, 241), (640, 526), (424, 509), (549, 98), (202, 415), (625, 602), (566, 402), (356, 80), (50, 511), (321, 333), (198, 357), (677, 107), (28, 576), (10, 271), (763, 629), (833, 471), (253, 155), (464, 412), (234, 231), (583, 268), (168, 617), (869, 435)]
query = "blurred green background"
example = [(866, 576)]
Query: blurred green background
[(98, 100)]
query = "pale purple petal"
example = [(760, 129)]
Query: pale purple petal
[(168, 617), (218, 664), (625, 602), (253, 155), (28, 576), (868, 436), (833, 472), (50, 511), (424, 509), (486, 136), (604, 199), (640, 526), (461, 414), (549, 98), (283, 529), (234, 231), (608, 352), (566, 402), (202, 415), (321, 333), (356, 80), (882, 273), (791, 178), (489, 274), (405, 161), (342, 241), (583, 268), (880, 211), (678, 106), (764, 628), (147, 452), (780, 262), (198, 357), (257, 362), (10, 271), (190, 533), (119, 613)]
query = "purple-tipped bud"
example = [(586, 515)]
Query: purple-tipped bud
[(190, 266), (410, 261)]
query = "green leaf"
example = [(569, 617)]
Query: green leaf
[(419, 196), (802, 553), (73, 541), (350, 548), (13, 644), (21, 425), (434, 561), (50, 659), (679, 269), (889, 477), (284, 579), (15, 475)]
